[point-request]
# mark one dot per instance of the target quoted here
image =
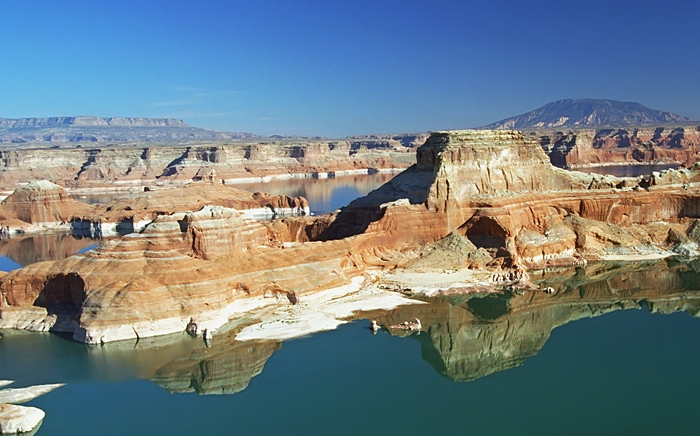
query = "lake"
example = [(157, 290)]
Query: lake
[(613, 351), (591, 359), (324, 195)]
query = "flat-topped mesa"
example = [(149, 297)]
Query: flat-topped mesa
[(37, 206), (470, 163), (89, 121)]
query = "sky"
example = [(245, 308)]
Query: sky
[(337, 68)]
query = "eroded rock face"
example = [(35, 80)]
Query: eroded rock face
[(134, 212), (496, 189), (134, 167), (36, 205), (574, 148)]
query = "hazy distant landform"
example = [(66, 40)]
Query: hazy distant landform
[(100, 130), (569, 113), (587, 112)]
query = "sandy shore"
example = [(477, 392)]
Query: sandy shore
[(327, 310), (322, 311)]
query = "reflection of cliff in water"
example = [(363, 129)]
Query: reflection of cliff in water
[(226, 367), (465, 339), (38, 248), (323, 195)]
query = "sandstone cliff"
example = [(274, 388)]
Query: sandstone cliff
[(572, 148), (37, 206), (136, 166), (495, 189)]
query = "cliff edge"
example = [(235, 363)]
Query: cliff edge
[(494, 190)]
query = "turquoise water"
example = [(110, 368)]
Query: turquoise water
[(627, 372), (614, 351), (574, 363)]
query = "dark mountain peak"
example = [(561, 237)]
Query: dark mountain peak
[(588, 112)]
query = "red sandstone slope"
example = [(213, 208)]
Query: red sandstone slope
[(494, 188)]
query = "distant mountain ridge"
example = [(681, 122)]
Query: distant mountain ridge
[(586, 112), (84, 121), (105, 129)]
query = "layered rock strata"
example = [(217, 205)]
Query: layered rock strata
[(36, 206), (40, 206), (495, 189), (136, 166), (133, 213), (573, 148)]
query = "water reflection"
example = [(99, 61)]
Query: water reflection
[(467, 340), (463, 338), (324, 195), (25, 250)]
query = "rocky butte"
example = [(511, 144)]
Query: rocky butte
[(477, 211)]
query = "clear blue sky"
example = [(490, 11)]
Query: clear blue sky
[(342, 67)]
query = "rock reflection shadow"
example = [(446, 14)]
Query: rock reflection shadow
[(467, 340), (463, 337)]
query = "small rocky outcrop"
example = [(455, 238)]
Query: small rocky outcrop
[(16, 419), (37, 206)]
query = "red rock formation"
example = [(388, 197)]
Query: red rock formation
[(134, 212), (589, 147), (496, 189), (38, 205)]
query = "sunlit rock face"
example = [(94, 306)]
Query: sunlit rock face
[(132, 213), (211, 263), (38, 205), (98, 165), (574, 148)]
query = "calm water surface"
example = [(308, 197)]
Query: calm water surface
[(573, 363), (324, 195), (615, 351)]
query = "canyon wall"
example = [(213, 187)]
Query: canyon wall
[(130, 166), (493, 190), (574, 148)]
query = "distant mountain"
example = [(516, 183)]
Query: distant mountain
[(100, 130), (586, 112)]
